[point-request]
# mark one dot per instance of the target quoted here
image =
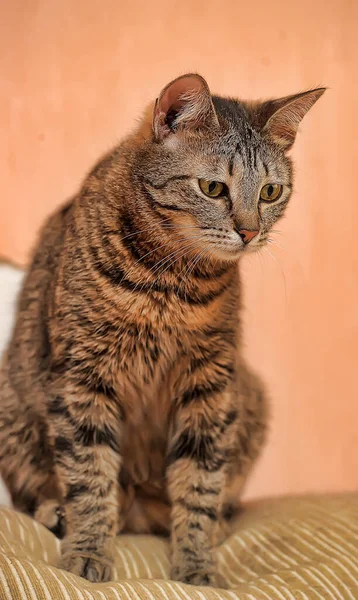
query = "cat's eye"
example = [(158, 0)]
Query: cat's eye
[(213, 189), (271, 192)]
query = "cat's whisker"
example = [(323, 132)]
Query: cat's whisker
[(165, 223), (259, 253), (178, 256), (172, 258), (186, 267), (192, 263), (176, 226), (274, 242), (151, 227), (281, 271), (190, 240), (189, 268), (189, 271), (191, 248), (148, 253)]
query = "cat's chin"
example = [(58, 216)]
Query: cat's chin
[(232, 254)]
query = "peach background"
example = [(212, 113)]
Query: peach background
[(74, 76)]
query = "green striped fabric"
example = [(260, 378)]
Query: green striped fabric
[(290, 549)]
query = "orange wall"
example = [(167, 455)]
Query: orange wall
[(74, 76)]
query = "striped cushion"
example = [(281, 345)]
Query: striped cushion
[(290, 549)]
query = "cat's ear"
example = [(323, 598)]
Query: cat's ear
[(185, 103), (279, 119)]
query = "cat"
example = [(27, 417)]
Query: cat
[(125, 400)]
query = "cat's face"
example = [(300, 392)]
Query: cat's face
[(217, 168)]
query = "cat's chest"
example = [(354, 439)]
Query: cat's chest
[(138, 365), (140, 357), (147, 409), (144, 365), (144, 446), (145, 387)]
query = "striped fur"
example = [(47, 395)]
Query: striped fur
[(126, 404)]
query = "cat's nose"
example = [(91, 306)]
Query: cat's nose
[(247, 235)]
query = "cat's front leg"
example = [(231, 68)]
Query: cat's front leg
[(199, 455), (85, 430)]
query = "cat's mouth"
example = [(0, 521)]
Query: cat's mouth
[(219, 244), (231, 246)]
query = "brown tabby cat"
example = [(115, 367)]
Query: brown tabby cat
[(125, 400)]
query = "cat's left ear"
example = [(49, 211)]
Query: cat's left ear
[(185, 103), (279, 119)]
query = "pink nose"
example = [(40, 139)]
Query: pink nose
[(247, 235)]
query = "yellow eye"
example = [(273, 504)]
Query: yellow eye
[(213, 189), (271, 192)]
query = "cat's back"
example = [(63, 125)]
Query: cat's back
[(28, 348), (45, 258)]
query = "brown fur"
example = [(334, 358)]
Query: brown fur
[(126, 404)]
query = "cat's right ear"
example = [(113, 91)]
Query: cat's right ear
[(279, 119), (185, 103)]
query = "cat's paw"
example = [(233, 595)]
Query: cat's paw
[(196, 576), (199, 579), (91, 568), (51, 514)]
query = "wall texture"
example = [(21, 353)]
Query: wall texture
[(74, 76)]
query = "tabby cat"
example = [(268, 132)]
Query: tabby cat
[(125, 401)]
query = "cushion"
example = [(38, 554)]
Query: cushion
[(286, 549)]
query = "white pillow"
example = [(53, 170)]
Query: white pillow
[(10, 282)]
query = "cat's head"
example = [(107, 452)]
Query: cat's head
[(218, 168)]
